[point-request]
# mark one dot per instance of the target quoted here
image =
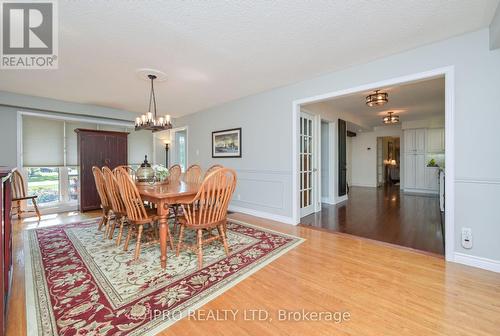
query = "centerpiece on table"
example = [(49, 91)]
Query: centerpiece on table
[(161, 173), (148, 174)]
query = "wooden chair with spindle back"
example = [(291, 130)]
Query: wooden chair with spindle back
[(193, 174), (117, 206), (105, 204), (174, 173), (137, 215), (208, 210), (212, 169), (19, 195), (129, 170)]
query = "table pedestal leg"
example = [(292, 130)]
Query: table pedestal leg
[(163, 222)]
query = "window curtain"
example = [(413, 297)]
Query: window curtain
[(43, 142)]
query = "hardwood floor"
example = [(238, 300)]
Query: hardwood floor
[(386, 290), (385, 214)]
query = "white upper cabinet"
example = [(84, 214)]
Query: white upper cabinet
[(415, 140), (420, 140), (435, 140)]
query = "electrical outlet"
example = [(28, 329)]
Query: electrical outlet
[(467, 238)]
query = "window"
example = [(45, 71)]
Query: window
[(73, 183), (44, 182)]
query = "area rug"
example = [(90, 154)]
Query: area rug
[(78, 283)]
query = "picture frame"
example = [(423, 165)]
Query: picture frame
[(226, 143)]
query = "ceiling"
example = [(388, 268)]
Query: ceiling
[(216, 51), (413, 101)]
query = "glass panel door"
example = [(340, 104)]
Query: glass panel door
[(306, 178)]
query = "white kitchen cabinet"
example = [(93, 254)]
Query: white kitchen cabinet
[(435, 140), (420, 171), (410, 171), (409, 144), (418, 142), (432, 179), (415, 140)]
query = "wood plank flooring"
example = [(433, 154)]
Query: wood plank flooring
[(387, 290), (385, 214)]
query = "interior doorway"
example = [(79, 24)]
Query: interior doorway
[(388, 161), (385, 170), (179, 150)]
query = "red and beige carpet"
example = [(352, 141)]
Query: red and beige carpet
[(78, 283)]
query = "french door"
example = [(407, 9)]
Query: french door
[(307, 168)]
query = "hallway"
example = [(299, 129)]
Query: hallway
[(385, 214)]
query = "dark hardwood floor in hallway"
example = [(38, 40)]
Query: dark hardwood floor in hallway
[(385, 214)]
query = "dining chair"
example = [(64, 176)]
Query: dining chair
[(193, 174), (137, 215), (213, 168), (19, 195), (117, 206), (174, 173), (129, 170), (208, 210), (105, 204)]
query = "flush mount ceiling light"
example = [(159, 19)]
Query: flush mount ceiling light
[(150, 121), (377, 99), (391, 119)]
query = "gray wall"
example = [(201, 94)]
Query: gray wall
[(265, 170), (11, 103)]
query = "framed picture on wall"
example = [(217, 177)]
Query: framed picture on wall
[(226, 143)]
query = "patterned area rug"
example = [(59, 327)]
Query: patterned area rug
[(79, 283)]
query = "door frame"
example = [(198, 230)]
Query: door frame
[(172, 144), (449, 75)]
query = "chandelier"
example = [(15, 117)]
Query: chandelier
[(150, 121), (377, 99), (391, 119)]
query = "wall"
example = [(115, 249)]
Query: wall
[(264, 171), (11, 103), (364, 155)]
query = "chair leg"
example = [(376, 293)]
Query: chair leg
[(199, 235), (112, 228), (170, 238), (120, 231), (179, 242), (138, 243), (129, 235), (103, 220), (175, 218), (36, 210), (222, 234)]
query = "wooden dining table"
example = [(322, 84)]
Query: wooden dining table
[(163, 195)]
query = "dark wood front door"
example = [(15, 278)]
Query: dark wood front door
[(97, 148), (342, 158)]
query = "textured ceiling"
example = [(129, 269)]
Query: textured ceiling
[(216, 51), (414, 101)]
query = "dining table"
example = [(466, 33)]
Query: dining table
[(164, 195)]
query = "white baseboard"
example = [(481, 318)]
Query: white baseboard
[(327, 200), (479, 262), (262, 214), (354, 184)]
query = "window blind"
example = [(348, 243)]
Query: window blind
[(71, 140), (140, 143), (43, 142)]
